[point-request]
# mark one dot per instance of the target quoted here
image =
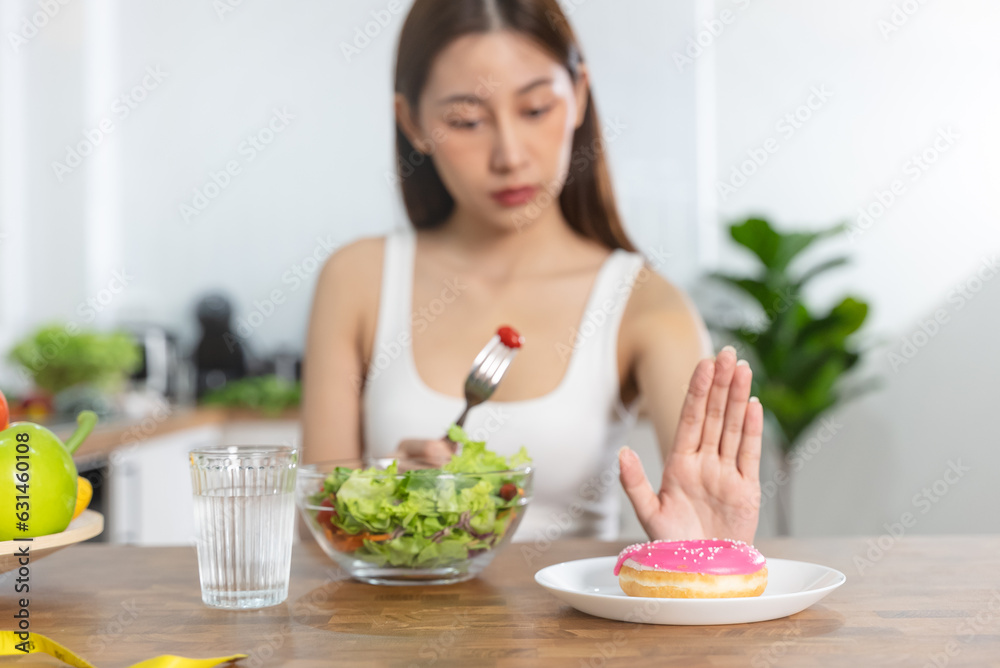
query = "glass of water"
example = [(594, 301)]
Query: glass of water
[(244, 518)]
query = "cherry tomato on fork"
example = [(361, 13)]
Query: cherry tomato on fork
[(509, 337)]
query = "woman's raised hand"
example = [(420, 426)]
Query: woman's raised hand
[(711, 479)]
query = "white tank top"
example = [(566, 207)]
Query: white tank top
[(573, 433)]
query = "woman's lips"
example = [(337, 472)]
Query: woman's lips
[(515, 196)]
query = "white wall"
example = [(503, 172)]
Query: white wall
[(42, 247), (889, 96), (319, 183)]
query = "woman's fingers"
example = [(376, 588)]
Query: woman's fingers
[(432, 451), (715, 413), (732, 431), (748, 460), (636, 485), (691, 424)]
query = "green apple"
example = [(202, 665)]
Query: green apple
[(38, 478)]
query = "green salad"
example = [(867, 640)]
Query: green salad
[(424, 518)]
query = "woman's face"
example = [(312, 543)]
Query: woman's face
[(498, 113)]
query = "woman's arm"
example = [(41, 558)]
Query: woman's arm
[(341, 330), (665, 337), (708, 429)]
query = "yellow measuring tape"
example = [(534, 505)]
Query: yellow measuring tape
[(10, 640)]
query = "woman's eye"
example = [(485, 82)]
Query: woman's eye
[(462, 125), (540, 111)]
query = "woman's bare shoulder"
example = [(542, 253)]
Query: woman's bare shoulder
[(660, 310), (347, 289), (347, 294), (357, 261)]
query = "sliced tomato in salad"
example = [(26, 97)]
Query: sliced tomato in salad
[(324, 517)]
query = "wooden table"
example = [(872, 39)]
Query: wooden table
[(915, 601)]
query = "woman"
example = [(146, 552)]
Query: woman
[(504, 179)]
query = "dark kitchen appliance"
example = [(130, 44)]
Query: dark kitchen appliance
[(220, 356)]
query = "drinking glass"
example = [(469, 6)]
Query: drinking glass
[(244, 517)]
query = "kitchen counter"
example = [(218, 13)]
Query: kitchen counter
[(123, 432), (912, 601)]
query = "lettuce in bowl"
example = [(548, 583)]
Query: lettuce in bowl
[(381, 520)]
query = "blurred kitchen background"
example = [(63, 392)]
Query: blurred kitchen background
[(179, 171)]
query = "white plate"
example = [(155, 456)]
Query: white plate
[(590, 586)]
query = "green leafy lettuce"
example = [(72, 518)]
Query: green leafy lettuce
[(425, 518)]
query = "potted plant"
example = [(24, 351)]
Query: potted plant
[(269, 395), (77, 369), (799, 356)]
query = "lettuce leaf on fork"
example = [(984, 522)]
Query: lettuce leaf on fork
[(475, 458)]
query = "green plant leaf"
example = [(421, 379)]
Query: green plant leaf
[(810, 274), (774, 249), (851, 359), (765, 295), (843, 320), (757, 235), (793, 243)]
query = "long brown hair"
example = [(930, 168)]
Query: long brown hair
[(587, 199)]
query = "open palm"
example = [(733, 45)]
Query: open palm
[(711, 479)]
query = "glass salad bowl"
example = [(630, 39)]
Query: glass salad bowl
[(406, 522)]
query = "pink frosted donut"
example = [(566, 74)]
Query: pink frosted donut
[(711, 568)]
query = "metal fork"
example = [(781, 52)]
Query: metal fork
[(487, 370)]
